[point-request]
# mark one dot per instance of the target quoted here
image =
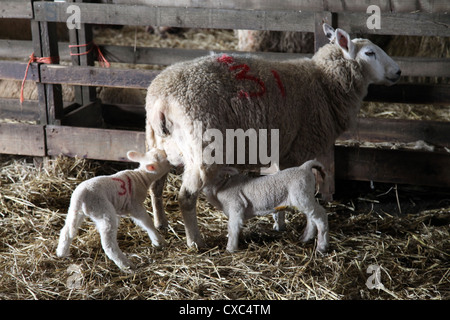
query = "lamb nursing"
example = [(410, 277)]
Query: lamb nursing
[(241, 198), (310, 101)]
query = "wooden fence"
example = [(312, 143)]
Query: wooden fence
[(75, 128)]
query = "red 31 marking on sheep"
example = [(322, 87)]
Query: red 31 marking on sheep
[(243, 74), (124, 187)]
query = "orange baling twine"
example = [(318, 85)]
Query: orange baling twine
[(38, 60), (101, 58)]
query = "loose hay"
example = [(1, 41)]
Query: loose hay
[(412, 249)]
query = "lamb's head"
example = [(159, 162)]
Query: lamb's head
[(154, 161), (378, 67)]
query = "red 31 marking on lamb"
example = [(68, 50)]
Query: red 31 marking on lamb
[(124, 186), (243, 74)]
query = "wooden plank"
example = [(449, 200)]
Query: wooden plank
[(16, 9), (393, 166), (12, 70), (22, 139), (12, 109), (424, 67), (92, 76), (179, 16), (429, 6), (91, 143), (436, 133), (410, 93), (411, 24)]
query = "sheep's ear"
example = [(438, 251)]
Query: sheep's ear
[(134, 156), (329, 31), (151, 167), (345, 43)]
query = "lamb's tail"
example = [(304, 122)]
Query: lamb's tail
[(314, 164)]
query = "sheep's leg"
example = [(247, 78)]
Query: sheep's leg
[(142, 219), (189, 191), (69, 231), (235, 223), (107, 227), (279, 221), (156, 191)]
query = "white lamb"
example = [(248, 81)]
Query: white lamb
[(105, 198), (310, 101), (241, 197)]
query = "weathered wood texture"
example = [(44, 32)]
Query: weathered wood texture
[(393, 166), (405, 6), (436, 133), (20, 9), (92, 143), (22, 139), (436, 24)]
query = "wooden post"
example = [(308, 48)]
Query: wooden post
[(327, 187), (45, 44), (87, 110)]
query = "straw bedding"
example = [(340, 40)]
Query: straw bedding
[(411, 248)]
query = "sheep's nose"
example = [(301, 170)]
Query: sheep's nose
[(399, 72)]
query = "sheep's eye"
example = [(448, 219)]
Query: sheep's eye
[(370, 53)]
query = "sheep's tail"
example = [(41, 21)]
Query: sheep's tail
[(314, 164)]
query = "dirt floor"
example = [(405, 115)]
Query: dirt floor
[(410, 249)]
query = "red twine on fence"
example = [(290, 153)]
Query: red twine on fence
[(101, 58), (47, 60)]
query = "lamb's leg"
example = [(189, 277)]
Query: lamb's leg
[(235, 223), (107, 227), (142, 219), (320, 219), (279, 221), (69, 231), (189, 191), (156, 191), (310, 229)]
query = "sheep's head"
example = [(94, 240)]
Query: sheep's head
[(153, 161), (379, 67)]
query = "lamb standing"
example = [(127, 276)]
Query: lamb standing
[(241, 198), (105, 198), (310, 101)]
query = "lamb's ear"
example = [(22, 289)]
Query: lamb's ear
[(329, 31), (345, 43), (135, 156)]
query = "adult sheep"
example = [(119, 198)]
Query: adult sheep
[(311, 102)]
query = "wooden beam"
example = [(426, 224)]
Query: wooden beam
[(436, 133), (92, 76), (22, 139), (91, 143), (11, 109), (425, 24), (12, 70), (386, 6), (393, 166), (20, 9), (409, 24), (183, 17)]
